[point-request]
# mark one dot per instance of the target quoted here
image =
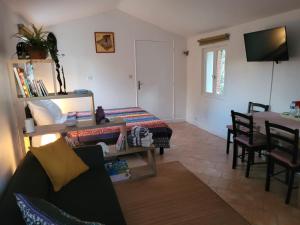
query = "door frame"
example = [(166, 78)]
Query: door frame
[(173, 73)]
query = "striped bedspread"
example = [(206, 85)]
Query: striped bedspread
[(133, 116)]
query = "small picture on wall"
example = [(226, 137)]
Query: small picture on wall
[(105, 42)]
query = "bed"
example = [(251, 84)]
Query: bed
[(134, 116)]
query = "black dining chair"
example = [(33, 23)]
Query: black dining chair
[(245, 136), (252, 107), (283, 150)]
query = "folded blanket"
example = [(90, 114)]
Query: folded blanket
[(140, 136)]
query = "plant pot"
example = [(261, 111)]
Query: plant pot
[(38, 53)]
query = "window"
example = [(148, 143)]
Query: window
[(214, 71)]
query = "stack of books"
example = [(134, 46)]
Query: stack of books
[(29, 87), (118, 170)]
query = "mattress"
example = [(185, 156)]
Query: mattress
[(133, 116)]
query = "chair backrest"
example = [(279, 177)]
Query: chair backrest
[(257, 107), (284, 139), (242, 125)]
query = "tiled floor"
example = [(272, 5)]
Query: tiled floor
[(204, 155)]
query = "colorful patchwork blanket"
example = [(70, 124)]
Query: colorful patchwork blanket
[(133, 116)]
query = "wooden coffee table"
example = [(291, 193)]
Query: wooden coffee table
[(139, 172)]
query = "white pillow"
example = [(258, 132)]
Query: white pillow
[(54, 109), (46, 112), (41, 115)]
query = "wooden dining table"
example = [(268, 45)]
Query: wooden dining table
[(259, 119)]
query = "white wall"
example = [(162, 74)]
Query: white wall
[(9, 153), (245, 81), (111, 83)]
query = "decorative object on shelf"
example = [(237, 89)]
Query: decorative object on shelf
[(22, 51), (100, 115), (29, 125), (105, 42), (35, 41), (52, 45)]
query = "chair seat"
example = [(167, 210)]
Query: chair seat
[(259, 140), (285, 158)]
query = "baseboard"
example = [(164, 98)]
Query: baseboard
[(197, 124), (177, 120)]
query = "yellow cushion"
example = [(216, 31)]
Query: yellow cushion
[(60, 162)]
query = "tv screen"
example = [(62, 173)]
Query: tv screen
[(267, 45)]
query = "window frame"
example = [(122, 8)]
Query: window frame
[(215, 49)]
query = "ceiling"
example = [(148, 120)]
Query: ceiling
[(184, 17)]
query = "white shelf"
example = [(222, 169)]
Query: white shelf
[(22, 61), (57, 96)]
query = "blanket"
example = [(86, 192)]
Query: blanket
[(133, 116)]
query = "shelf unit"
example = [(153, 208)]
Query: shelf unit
[(19, 102)]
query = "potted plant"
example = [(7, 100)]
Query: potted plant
[(35, 41)]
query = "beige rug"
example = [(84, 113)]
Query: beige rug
[(174, 196)]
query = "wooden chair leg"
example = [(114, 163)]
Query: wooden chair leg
[(287, 176), (268, 177), (249, 162), (228, 141), (161, 151), (235, 153), (259, 153), (290, 187), (243, 154)]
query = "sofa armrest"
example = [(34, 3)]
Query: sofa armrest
[(92, 155)]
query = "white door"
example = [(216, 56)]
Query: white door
[(154, 74)]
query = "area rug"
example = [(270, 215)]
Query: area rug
[(174, 196)]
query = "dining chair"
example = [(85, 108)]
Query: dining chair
[(252, 107), (283, 149), (245, 136)]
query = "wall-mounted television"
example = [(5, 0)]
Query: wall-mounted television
[(267, 45)]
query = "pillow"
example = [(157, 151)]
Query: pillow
[(46, 112), (39, 211), (60, 162), (41, 115)]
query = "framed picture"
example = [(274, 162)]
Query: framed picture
[(105, 42)]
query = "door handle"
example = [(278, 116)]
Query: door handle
[(139, 85)]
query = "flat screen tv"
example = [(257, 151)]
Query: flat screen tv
[(267, 45)]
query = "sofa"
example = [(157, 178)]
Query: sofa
[(90, 196)]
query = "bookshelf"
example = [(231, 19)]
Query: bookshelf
[(20, 100)]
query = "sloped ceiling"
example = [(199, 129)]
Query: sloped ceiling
[(184, 17)]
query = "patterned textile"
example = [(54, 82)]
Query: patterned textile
[(40, 212), (133, 116), (140, 136)]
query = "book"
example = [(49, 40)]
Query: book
[(116, 167), (120, 145), (44, 87), (19, 82), (120, 177), (22, 79)]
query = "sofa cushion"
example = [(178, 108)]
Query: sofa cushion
[(90, 196), (60, 162), (30, 179), (39, 211), (91, 155)]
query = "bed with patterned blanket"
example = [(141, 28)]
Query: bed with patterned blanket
[(133, 116)]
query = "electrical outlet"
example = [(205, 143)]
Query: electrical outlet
[(90, 77)]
